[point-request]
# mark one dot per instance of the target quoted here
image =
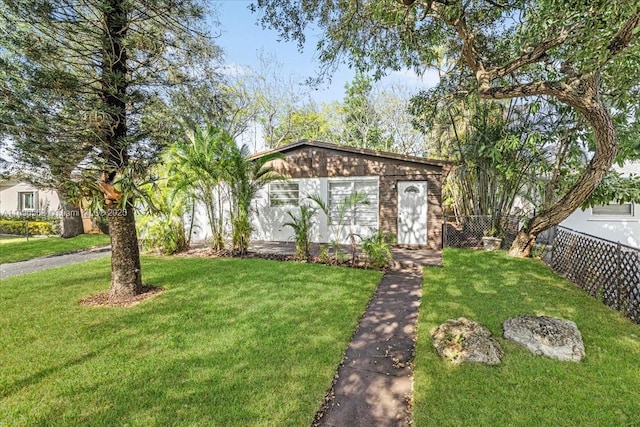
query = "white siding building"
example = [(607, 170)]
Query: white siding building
[(615, 222), (276, 199)]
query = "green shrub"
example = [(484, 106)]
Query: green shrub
[(377, 249), (241, 232), (302, 230), (19, 227), (324, 254), (162, 234), (35, 216)]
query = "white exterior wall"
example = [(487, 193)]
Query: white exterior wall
[(201, 228), (617, 228), (268, 222), (623, 229), (10, 193)]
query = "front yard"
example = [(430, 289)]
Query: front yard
[(229, 342), (13, 249), (525, 390), (256, 342)]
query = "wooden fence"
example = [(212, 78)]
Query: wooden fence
[(607, 270)]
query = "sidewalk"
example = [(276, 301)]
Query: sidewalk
[(52, 261)]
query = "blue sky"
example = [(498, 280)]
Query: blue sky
[(243, 39)]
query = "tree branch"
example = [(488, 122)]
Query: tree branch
[(579, 92), (625, 35), (468, 50), (531, 57)]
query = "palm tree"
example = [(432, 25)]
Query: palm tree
[(197, 167), (301, 226), (209, 165), (338, 214), (162, 226), (245, 176)]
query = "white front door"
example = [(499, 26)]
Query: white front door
[(412, 212)]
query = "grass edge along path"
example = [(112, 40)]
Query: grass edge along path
[(229, 342), (14, 249), (525, 390)]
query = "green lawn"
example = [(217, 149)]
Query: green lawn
[(14, 249), (525, 390), (229, 342)]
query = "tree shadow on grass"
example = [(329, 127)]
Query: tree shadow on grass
[(230, 347), (525, 389), (39, 376)]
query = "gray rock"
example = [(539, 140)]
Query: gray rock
[(463, 340), (546, 336)]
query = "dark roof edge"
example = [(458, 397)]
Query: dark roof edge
[(345, 148)]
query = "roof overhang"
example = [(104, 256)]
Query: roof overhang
[(446, 165)]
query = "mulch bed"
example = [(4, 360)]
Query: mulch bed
[(102, 300), (224, 253)]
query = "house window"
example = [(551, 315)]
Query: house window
[(27, 201), (284, 194), (613, 209), (362, 214)]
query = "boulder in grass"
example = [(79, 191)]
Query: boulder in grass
[(463, 340), (546, 336)]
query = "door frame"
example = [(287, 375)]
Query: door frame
[(426, 211)]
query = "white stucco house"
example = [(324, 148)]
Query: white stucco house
[(403, 195), (21, 198), (615, 222)]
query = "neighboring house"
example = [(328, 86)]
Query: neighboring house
[(21, 198), (615, 222), (404, 193)]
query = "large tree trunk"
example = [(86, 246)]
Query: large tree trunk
[(581, 92), (606, 147), (71, 217), (126, 277)]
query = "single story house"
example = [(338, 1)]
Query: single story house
[(21, 198), (404, 194), (616, 222)]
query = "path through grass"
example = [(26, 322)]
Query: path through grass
[(525, 390), (229, 342), (14, 249)]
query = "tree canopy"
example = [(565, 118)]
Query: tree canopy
[(80, 75)]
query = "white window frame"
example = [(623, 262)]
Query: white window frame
[(22, 198), (288, 202), (373, 207), (607, 210)]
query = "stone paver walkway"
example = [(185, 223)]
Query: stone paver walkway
[(37, 264), (374, 382), (375, 379)]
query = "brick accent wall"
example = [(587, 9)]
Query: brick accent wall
[(320, 162)]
